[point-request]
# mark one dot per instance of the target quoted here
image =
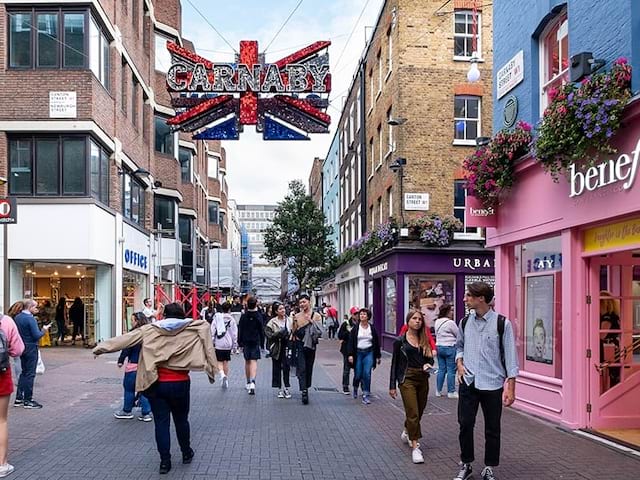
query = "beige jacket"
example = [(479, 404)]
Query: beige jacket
[(188, 347)]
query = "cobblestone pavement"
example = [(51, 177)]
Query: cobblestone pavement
[(237, 436)]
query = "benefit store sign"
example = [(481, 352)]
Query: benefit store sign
[(284, 100)]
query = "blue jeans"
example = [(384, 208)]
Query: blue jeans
[(364, 365), (170, 399), (446, 366), (28, 363), (129, 384)]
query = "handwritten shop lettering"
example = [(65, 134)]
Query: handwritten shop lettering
[(481, 212), (624, 169), (378, 268), (135, 259), (472, 263)]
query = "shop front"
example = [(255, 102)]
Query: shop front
[(413, 277), (350, 284), (329, 295), (570, 262), (135, 272)]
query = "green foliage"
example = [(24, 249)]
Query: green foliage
[(299, 237)]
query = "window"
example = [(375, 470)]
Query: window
[(164, 212), (389, 51), (390, 323), (163, 57), (124, 85), (371, 216), (379, 57), (20, 39), (380, 145), (214, 210), (390, 127), (221, 218), (352, 168), (359, 175), (372, 95), (74, 40), (390, 201), (58, 166), (164, 138), (352, 124), (554, 57), (373, 158), (184, 157), (466, 119), (98, 54), (463, 35), (184, 228), (133, 198), (213, 166), (47, 40), (135, 101), (358, 111), (459, 208)]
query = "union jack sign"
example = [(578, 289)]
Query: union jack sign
[(284, 100)]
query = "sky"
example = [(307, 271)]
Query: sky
[(259, 171)]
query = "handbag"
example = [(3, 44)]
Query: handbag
[(40, 366)]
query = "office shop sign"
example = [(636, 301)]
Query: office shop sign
[(622, 171), (135, 251)]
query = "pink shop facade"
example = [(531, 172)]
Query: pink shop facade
[(568, 274)]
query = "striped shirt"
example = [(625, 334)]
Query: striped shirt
[(479, 347)]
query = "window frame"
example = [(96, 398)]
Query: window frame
[(138, 187), (389, 52), (469, 14), (467, 233), (182, 169), (466, 141), (172, 154), (560, 22), (209, 216), (390, 133), (161, 198)]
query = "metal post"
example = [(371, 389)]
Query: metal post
[(401, 174), (218, 282), (5, 252)]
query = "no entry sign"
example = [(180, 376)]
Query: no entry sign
[(8, 210)]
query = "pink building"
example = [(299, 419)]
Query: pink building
[(568, 274)]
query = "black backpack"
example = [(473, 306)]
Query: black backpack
[(5, 362), (501, 321)]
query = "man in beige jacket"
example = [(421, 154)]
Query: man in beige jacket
[(170, 349)]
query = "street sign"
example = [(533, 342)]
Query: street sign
[(416, 201), (8, 210)]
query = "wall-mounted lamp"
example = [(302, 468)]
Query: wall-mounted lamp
[(482, 141), (398, 167), (3, 180), (394, 122)]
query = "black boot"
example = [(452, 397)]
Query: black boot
[(305, 397), (188, 457), (165, 466)]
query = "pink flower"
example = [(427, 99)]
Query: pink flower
[(621, 61), (524, 126), (553, 93)]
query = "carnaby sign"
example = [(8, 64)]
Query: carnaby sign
[(224, 97)]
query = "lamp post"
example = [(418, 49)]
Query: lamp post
[(398, 167)]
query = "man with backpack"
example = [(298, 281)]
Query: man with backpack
[(487, 367)]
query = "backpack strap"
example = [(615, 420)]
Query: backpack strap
[(501, 322)]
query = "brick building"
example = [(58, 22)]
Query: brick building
[(110, 201), (410, 106), (315, 182)]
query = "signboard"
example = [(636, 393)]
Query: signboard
[(135, 250), (221, 98), (477, 215), (539, 321), (199, 271), (510, 75), (615, 235), (416, 201), (62, 104), (8, 210)]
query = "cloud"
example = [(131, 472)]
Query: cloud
[(259, 171)]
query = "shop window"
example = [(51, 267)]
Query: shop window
[(466, 120), (164, 137), (459, 211), (184, 227), (428, 293), (463, 35), (164, 212), (163, 57), (390, 306), (185, 157), (214, 210), (48, 38), (133, 199), (554, 58)]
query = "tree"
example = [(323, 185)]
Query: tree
[(298, 237)]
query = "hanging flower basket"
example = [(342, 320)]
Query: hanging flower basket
[(435, 231), (579, 122)]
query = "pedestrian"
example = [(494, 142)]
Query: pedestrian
[(170, 349), (343, 337), (306, 333), (208, 312), (332, 321), (62, 316), (412, 357), (13, 346), (76, 315), (132, 355), (149, 312), (487, 367), (236, 306), (278, 331), (45, 316), (250, 339), (31, 334), (224, 333), (364, 354), (446, 336)]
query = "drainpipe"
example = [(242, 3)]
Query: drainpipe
[(363, 151)]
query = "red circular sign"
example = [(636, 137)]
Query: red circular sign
[(5, 208)]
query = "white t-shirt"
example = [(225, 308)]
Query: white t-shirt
[(365, 338)]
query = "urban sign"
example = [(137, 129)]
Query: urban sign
[(8, 210), (510, 75), (624, 169), (282, 99), (472, 263), (416, 201)]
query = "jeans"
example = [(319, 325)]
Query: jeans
[(61, 328), (129, 384), (346, 370), (491, 403), (446, 366), (78, 328), (170, 399), (414, 391), (280, 371), (305, 357), (364, 365), (28, 362)]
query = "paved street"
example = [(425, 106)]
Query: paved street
[(237, 437)]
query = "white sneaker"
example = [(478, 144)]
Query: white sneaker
[(280, 394), (287, 393), (6, 469), (247, 386), (252, 388), (225, 382), (453, 395), (404, 436), (438, 393), (416, 455)]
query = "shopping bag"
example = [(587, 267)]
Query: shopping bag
[(40, 366)]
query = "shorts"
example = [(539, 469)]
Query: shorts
[(6, 383), (251, 352), (223, 355)]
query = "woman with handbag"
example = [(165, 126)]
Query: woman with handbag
[(277, 332), (364, 354), (446, 336), (306, 332), (224, 333)]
